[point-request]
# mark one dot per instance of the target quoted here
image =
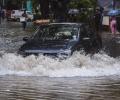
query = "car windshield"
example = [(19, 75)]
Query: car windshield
[(54, 32)]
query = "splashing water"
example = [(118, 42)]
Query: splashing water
[(77, 65)]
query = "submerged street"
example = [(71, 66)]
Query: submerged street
[(45, 88), (80, 77)]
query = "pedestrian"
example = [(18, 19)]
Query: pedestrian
[(3, 14), (101, 18), (23, 20), (0, 13), (113, 25), (97, 18)]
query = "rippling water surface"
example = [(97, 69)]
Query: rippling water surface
[(45, 88)]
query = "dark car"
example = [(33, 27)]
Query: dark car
[(61, 39)]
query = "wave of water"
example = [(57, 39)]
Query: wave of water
[(77, 65)]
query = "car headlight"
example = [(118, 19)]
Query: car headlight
[(66, 52)]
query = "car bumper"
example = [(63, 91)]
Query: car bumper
[(53, 53)]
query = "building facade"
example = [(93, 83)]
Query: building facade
[(109, 4), (17, 4)]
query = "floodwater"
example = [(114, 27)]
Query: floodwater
[(46, 88), (80, 77)]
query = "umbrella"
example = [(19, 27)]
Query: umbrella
[(114, 12), (73, 11)]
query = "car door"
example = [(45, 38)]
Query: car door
[(85, 37)]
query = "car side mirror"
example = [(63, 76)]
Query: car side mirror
[(25, 39), (86, 38), (74, 37)]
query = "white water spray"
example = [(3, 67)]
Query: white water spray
[(76, 65)]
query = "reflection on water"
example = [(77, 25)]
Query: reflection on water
[(44, 88)]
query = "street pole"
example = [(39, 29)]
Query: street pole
[(3, 3), (22, 4), (29, 5), (0, 13), (113, 4)]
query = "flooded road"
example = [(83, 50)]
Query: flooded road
[(44, 88), (80, 77)]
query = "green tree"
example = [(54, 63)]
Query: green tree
[(35, 4), (82, 3), (86, 8)]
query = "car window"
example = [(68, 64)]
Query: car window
[(57, 32)]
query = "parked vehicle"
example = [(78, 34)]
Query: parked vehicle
[(61, 39), (15, 15), (29, 15)]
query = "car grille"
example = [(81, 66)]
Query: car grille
[(51, 54)]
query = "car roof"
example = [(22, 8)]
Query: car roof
[(63, 23), (66, 23)]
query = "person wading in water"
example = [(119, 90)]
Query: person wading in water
[(24, 20), (113, 25)]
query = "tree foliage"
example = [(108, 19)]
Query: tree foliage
[(35, 4), (82, 3), (86, 8)]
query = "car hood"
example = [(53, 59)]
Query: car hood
[(48, 45)]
